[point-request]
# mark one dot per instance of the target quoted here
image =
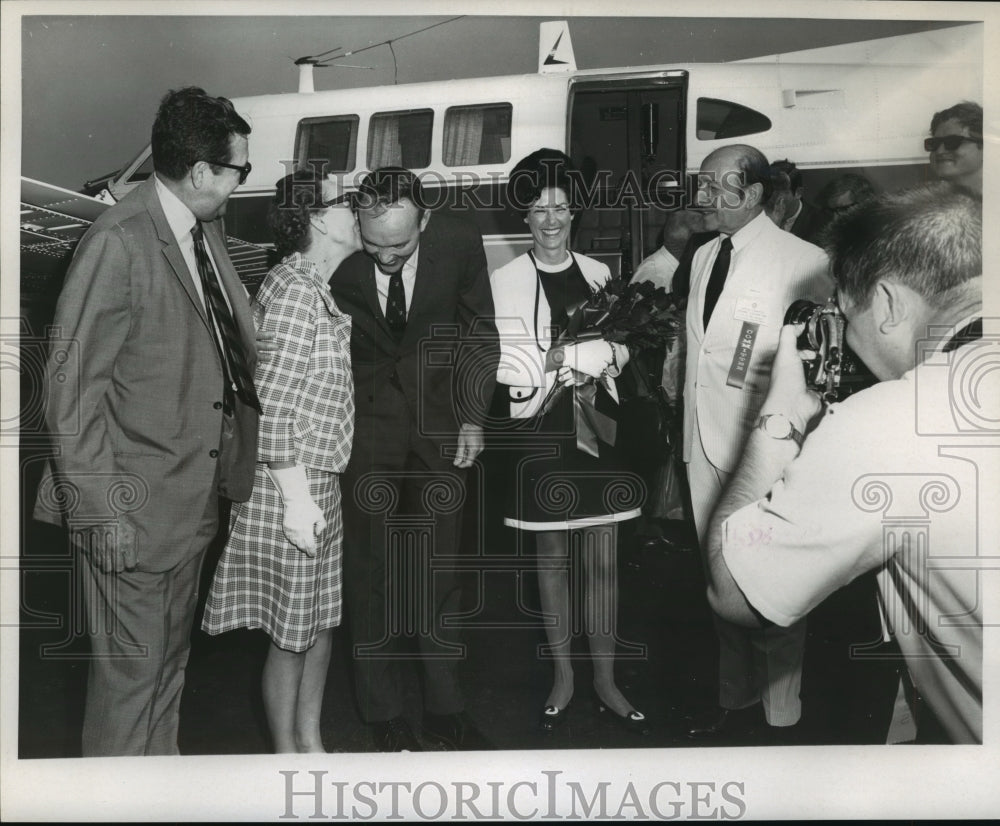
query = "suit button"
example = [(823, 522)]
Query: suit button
[(217, 405), (214, 454)]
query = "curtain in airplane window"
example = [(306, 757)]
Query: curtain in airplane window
[(383, 142), (463, 137), (496, 130)]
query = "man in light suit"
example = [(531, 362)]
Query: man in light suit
[(158, 421), (424, 353), (742, 282)]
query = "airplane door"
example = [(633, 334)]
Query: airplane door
[(626, 136)]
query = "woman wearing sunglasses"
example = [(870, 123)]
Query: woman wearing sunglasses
[(281, 568), (956, 147)]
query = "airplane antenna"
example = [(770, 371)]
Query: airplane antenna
[(395, 65), (321, 60)]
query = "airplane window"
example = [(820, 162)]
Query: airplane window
[(329, 140), (719, 119), (400, 139), (477, 134)]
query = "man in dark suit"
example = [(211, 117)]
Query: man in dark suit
[(155, 420), (424, 351), (787, 208)]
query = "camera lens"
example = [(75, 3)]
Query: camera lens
[(805, 312)]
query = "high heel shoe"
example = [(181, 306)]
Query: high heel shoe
[(553, 717), (634, 721)]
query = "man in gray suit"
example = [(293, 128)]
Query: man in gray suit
[(158, 422)]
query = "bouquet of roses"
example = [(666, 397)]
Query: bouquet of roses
[(638, 315)]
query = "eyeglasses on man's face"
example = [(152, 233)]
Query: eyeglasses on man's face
[(950, 142), (243, 170)]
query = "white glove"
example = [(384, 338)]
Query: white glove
[(589, 357), (302, 519)]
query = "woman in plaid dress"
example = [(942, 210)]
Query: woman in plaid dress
[(281, 568)]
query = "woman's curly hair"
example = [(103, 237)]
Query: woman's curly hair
[(297, 197)]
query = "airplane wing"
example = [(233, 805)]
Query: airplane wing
[(54, 219)]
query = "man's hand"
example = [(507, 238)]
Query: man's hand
[(110, 547), (267, 345), (788, 393), (470, 445)]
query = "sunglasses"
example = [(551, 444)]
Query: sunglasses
[(949, 142), (243, 170)]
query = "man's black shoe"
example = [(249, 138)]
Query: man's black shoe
[(394, 735), (456, 732), (725, 723), (661, 543)]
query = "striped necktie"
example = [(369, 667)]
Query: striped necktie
[(227, 338)]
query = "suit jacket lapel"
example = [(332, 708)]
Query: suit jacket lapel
[(171, 249), (424, 280), (369, 290)]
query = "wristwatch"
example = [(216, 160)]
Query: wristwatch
[(779, 426)]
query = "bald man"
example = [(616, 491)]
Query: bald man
[(742, 282)]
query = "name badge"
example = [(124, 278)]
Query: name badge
[(741, 358), (750, 308)]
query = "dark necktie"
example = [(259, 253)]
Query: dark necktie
[(227, 338), (395, 304), (720, 269)]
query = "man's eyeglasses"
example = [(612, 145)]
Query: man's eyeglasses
[(243, 170), (949, 142)]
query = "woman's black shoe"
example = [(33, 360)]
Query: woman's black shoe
[(634, 721), (553, 717)]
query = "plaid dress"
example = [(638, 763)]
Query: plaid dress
[(306, 392)]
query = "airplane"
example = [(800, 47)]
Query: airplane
[(638, 133)]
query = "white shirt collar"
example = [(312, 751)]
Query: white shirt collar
[(745, 234), (180, 218), (411, 262)]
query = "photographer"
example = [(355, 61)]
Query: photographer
[(892, 476)]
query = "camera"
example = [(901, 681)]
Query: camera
[(836, 371)]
